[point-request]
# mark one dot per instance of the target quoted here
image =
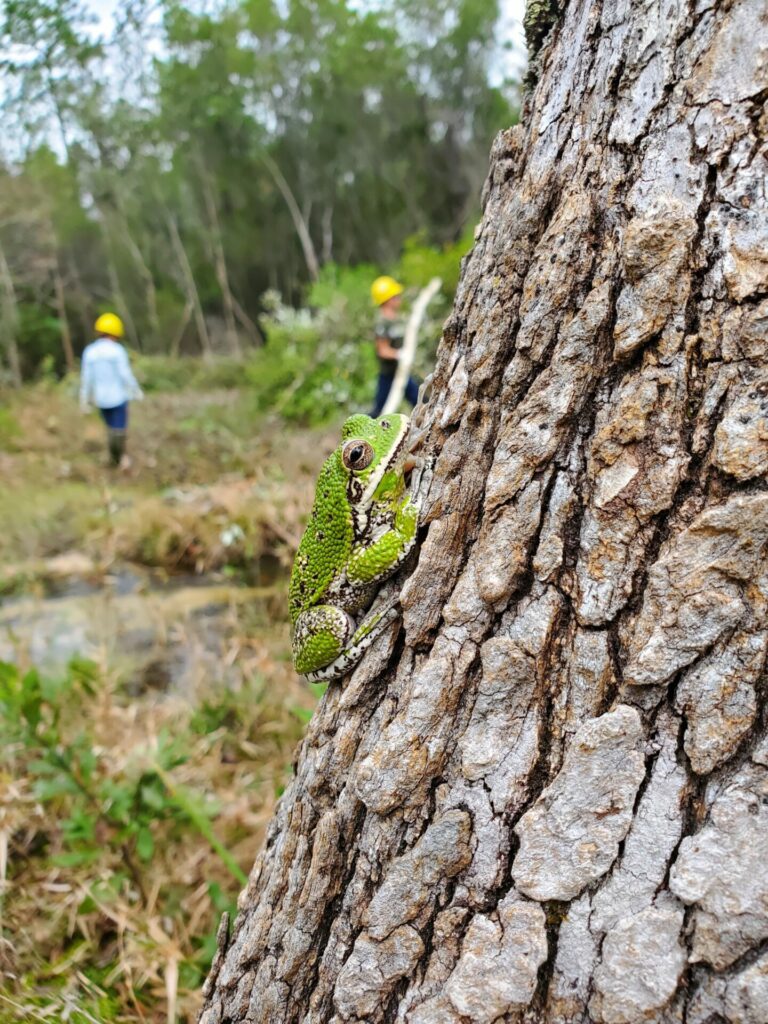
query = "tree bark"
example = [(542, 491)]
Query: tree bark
[(543, 796)]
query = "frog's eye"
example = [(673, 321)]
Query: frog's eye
[(356, 455)]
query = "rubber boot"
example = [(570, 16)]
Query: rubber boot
[(116, 446)]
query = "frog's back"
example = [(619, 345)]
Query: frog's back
[(327, 540)]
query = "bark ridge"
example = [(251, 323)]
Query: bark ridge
[(544, 795)]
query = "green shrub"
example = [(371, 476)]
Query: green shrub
[(421, 262), (186, 373), (320, 363), (39, 339), (343, 295), (314, 366), (9, 428)]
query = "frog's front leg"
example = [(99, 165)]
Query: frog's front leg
[(381, 557)]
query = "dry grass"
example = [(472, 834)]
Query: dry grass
[(129, 814), (208, 487), (92, 926)]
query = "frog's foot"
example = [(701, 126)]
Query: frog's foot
[(365, 634), (320, 635)]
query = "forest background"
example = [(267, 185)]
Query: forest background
[(229, 177), (209, 163)]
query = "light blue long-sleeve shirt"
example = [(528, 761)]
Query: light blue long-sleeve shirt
[(106, 378)]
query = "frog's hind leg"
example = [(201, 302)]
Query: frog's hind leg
[(368, 630), (319, 637)]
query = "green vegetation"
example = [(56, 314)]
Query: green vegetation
[(133, 802), (132, 827), (205, 155)]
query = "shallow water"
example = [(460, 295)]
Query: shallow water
[(170, 635)]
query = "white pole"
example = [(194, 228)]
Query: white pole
[(408, 352)]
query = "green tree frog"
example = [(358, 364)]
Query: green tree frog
[(362, 526)]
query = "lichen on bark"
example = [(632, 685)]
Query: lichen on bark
[(541, 794)]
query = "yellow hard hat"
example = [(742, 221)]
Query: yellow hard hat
[(385, 288), (110, 323)]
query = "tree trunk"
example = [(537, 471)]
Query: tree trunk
[(175, 346), (299, 222), (9, 322), (543, 797), (327, 228), (61, 311), (222, 276), (118, 296), (189, 285), (142, 267), (255, 337)]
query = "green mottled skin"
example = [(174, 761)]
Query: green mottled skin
[(354, 540)]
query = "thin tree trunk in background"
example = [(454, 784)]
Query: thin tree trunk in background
[(220, 261), (145, 273), (193, 296), (302, 230), (9, 321), (327, 229), (175, 345), (84, 302), (117, 292), (61, 312), (251, 329), (543, 796)]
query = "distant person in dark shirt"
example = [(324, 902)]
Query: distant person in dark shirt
[(387, 295)]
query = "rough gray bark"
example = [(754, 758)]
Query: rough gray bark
[(544, 796)]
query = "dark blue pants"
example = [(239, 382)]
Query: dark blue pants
[(116, 418), (383, 386)]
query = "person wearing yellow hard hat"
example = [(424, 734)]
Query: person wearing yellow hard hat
[(387, 296), (107, 381)]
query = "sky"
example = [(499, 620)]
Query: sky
[(511, 27)]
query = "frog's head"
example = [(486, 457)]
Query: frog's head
[(372, 455)]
